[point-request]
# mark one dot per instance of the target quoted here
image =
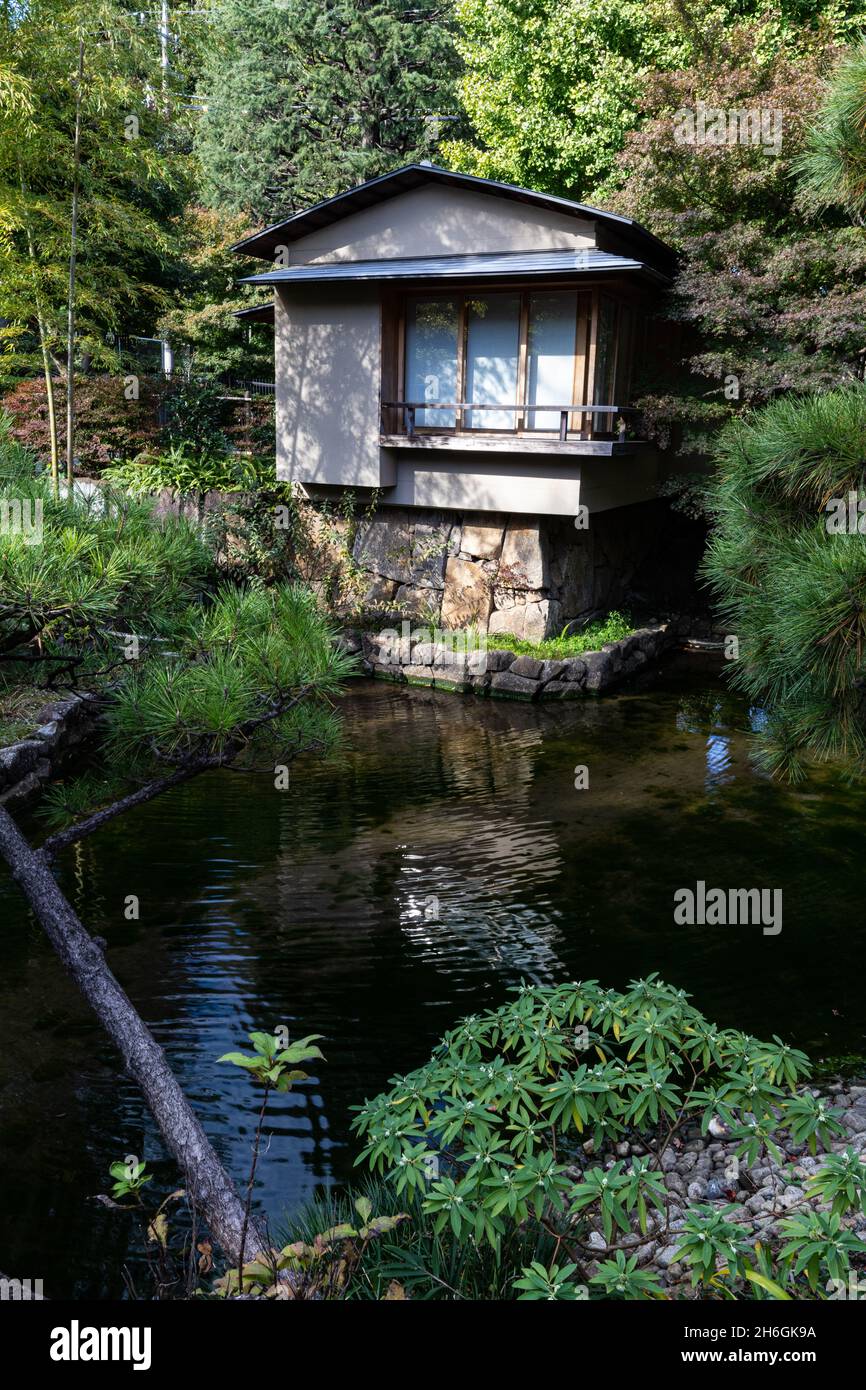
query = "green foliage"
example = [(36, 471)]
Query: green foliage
[(193, 417), (833, 165), (842, 1182), (183, 470), (792, 593), (590, 639), (273, 534), (101, 568), (305, 100), (550, 86), (248, 680), (493, 1134), (816, 1245), (206, 295), (171, 1270), (415, 1261), (273, 1066), (768, 299), (131, 187), (130, 1178), (620, 1278), (553, 88), (327, 1266), (708, 1239), (252, 675), (616, 1192), (554, 1284)]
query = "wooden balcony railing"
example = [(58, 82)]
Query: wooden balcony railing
[(617, 413)]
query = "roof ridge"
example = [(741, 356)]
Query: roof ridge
[(405, 179)]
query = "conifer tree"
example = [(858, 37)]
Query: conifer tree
[(787, 562), (307, 97), (834, 163)]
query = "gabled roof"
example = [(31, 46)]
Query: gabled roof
[(262, 244), (511, 263)]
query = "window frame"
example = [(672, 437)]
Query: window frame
[(585, 389)]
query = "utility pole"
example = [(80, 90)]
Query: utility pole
[(163, 48)]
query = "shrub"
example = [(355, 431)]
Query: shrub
[(193, 418), (512, 1125), (108, 426), (184, 471), (414, 1261), (103, 566)]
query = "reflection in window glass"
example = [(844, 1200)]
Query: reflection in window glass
[(550, 356), (431, 358), (492, 343)]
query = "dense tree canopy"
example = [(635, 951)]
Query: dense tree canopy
[(552, 87), (133, 176), (205, 296), (771, 295), (302, 100)]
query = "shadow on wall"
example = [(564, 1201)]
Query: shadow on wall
[(644, 556), (429, 222), (327, 388)]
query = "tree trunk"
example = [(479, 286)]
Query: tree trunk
[(46, 357), (52, 414), (73, 253), (210, 1188)]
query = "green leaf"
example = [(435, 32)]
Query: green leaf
[(763, 1282)]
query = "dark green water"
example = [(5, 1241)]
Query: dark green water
[(312, 908)]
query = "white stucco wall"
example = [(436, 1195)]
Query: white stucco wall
[(524, 485), (327, 371), (436, 221)]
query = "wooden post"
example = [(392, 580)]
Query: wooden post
[(591, 357), (521, 419)]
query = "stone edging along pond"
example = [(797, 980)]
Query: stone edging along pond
[(504, 674), (27, 764)]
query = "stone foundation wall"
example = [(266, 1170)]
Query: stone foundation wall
[(526, 576), (27, 765), (406, 656)]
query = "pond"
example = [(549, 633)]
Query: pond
[(442, 856)]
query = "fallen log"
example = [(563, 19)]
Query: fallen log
[(208, 1185)]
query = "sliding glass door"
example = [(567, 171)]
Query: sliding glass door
[(550, 356), (492, 356), (432, 336)]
